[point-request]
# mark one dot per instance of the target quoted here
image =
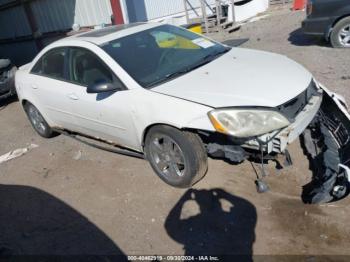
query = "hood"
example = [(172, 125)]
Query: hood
[(241, 77)]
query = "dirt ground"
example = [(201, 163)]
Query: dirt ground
[(64, 197)]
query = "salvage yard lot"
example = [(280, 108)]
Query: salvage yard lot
[(116, 204)]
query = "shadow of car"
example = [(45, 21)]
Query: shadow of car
[(37, 223), (223, 224), (298, 38)]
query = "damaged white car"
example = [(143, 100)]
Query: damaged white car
[(175, 97)]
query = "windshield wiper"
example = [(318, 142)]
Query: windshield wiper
[(212, 56), (208, 58), (168, 77), (205, 60)]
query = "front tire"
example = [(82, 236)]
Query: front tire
[(38, 122), (178, 157), (340, 36)]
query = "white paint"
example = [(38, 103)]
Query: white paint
[(137, 108), (347, 171), (241, 77)]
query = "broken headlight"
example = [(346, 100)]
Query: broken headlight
[(247, 122)]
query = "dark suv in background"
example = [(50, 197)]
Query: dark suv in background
[(329, 18)]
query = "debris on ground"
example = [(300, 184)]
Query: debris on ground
[(78, 155), (323, 236), (16, 153)]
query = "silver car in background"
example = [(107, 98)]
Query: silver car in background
[(7, 78)]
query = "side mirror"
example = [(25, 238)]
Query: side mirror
[(103, 87)]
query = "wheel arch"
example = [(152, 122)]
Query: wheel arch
[(24, 101), (146, 130), (330, 30)]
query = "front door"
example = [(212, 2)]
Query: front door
[(105, 115)]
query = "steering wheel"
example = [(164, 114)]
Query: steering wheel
[(165, 57)]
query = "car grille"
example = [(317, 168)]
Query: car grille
[(293, 107)]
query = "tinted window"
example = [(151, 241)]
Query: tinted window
[(161, 53), (87, 69), (52, 64)]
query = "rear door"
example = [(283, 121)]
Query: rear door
[(48, 82)]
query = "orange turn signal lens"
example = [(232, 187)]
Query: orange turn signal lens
[(217, 125)]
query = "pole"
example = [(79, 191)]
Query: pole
[(233, 11), (218, 11), (186, 12), (34, 28), (204, 14), (117, 12)]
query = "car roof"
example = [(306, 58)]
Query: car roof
[(104, 35)]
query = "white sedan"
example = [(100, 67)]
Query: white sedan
[(176, 97)]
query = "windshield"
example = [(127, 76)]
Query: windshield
[(162, 53)]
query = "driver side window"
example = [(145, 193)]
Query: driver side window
[(87, 69)]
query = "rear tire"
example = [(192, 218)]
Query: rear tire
[(340, 36), (38, 122), (178, 157)]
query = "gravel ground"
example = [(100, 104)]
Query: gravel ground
[(67, 198)]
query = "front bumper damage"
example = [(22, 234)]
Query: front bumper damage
[(326, 142), (304, 109), (323, 125)]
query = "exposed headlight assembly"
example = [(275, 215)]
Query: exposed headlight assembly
[(247, 122)]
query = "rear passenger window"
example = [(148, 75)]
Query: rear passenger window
[(52, 64)]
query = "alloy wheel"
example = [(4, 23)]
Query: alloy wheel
[(167, 156), (344, 36), (37, 119)]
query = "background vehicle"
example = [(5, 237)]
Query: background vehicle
[(329, 18), (7, 78)]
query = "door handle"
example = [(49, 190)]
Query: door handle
[(73, 96), (34, 86)]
